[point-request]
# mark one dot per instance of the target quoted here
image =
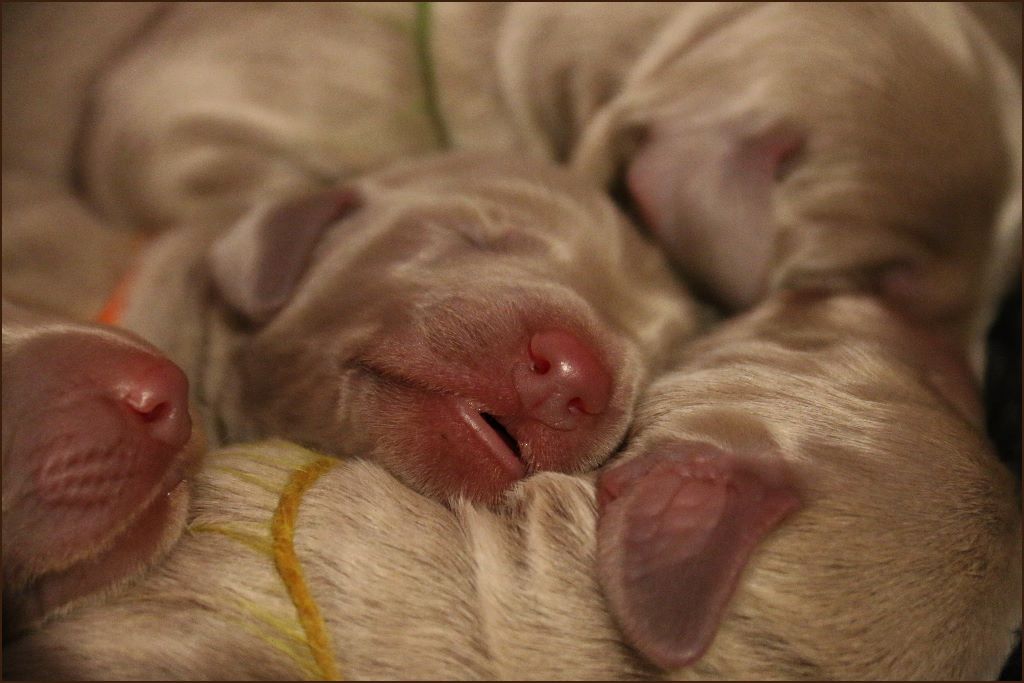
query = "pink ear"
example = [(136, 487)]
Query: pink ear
[(676, 528), (258, 262), (706, 194)]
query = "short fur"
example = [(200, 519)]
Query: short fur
[(904, 561), (432, 284), (872, 146)]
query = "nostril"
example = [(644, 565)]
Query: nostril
[(576, 405), (158, 412), (158, 398), (146, 400), (540, 366)]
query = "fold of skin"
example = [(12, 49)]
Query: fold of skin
[(902, 531)]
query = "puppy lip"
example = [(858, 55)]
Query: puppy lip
[(520, 449), (149, 534), (492, 432), (494, 442)]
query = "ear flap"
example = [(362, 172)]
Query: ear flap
[(259, 261), (675, 530), (706, 194)]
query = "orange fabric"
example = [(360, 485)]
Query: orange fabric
[(113, 309)]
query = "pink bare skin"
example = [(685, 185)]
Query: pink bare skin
[(678, 525), (97, 443), (465, 320)]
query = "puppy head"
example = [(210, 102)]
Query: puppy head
[(855, 147), (97, 443), (803, 457), (466, 320)]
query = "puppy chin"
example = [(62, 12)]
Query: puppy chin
[(130, 552)]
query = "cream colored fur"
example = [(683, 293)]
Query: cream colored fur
[(912, 119), (57, 252), (903, 563), (448, 261), (911, 114), (214, 156)]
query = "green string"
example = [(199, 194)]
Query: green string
[(422, 34)]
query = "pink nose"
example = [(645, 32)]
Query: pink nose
[(564, 381), (155, 392), (129, 430)]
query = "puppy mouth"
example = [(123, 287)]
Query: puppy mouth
[(484, 427), (495, 438), (502, 432)]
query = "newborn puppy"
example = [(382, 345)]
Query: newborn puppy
[(57, 254), (769, 146), (877, 538), (96, 442), (465, 320), (874, 147), (875, 425)]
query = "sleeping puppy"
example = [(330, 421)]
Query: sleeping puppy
[(466, 320), (766, 146), (875, 424), (97, 440), (851, 146), (58, 253), (798, 499)]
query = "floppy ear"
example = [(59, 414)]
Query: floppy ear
[(257, 264), (676, 527), (706, 194)]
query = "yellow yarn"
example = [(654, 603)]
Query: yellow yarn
[(289, 642), (286, 474), (253, 541), (282, 529), (267, 486)]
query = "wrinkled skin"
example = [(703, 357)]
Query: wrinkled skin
[(904, 523), (465, 320), (97, 442)]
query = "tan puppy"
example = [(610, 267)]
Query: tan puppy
[(467, 320), (869, 146), (96, 441), (889, 541), (767, 146), (58, 254)]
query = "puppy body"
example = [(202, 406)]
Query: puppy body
[(817, 141), (761, 155), (58, 254), (901, 533), (407, 587)]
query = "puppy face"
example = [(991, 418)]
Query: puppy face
[(879, 514), (897, 534), (466, 321), (97, 441)]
